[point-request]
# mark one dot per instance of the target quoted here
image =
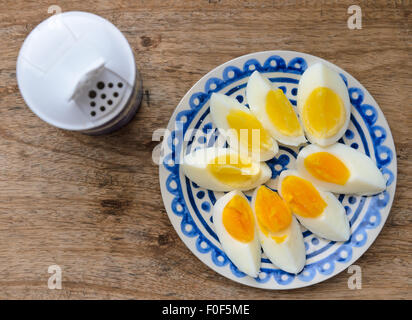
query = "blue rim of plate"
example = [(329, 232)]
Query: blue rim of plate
[(196, 222)]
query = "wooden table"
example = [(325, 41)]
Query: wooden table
[(92, 205)]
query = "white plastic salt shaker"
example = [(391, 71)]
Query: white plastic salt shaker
[(76, 71)]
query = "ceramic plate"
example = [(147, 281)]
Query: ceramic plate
[(190, 207)]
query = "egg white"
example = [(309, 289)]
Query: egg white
[(289, 255), (220, 106), (365, 177), (319, 75), (332, 223), (195, 164), (256, 91), (245, 256)]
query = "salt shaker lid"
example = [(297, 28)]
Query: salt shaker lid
[(76, 71)]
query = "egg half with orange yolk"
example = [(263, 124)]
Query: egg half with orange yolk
[(223, 169), (273, 109), (235, 227), (323, 104), (340, 169), (319, 211), (279, 233), (242, 129)]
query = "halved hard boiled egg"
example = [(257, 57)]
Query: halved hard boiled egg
[(340, 169), (243, 130), (323, 104), (279, 232), (319, 211), (235, 227), (273, 109), (223, 169)]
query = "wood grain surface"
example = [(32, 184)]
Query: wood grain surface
[(92, 205)]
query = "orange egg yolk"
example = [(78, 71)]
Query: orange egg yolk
[(280, 239), (273, 214), (323, 113), (249, 130), (281, 113), (234, 170), (302, 197), (327, 167), (238, 220)]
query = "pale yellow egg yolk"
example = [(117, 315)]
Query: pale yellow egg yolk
[(238, 220), (272, 213), (245, 124), (281, 113), (323, 113), (302, 197), (234, 170), (327, 167)]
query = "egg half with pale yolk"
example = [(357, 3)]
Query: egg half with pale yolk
[(235, 227), (223, 169), (273, 109), (323, 104), (340, 169), (279, 233), (319, 211), (242, 129)]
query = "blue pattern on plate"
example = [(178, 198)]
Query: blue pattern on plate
[(325, 265)]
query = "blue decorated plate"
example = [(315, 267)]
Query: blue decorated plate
[(189, 207)]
